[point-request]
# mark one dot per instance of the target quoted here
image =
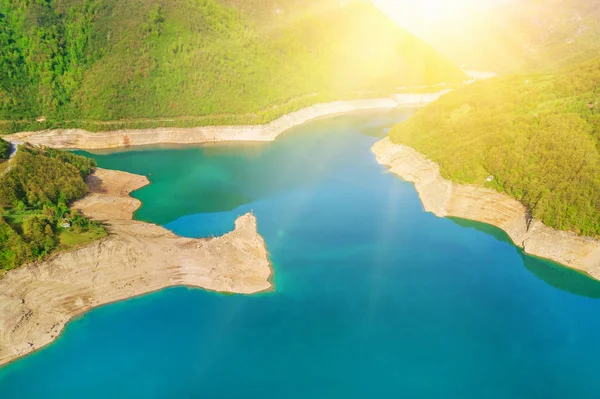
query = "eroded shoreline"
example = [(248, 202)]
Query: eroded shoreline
[(84, 140), (37, 300), (445, 198)]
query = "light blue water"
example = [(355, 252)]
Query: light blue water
[(374, 298)]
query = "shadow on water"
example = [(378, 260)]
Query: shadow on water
[(552, 273)]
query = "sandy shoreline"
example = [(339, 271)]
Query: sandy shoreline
[(445, 198), (36, 301), (84, 140)]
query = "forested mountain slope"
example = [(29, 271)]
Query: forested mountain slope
[(537, 135), (223, 61), (522, 35)]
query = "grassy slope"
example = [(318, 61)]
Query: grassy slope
[(524, 35), (538, 135), (198, 61)]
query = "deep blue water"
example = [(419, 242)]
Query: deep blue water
[(374, 297)]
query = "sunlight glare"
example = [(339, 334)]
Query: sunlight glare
[(421, 17), (433, 10)]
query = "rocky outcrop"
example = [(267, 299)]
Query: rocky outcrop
[(36, 301), (81, 139), (445, 198)]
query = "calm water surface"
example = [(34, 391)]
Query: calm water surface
[(374, 297)]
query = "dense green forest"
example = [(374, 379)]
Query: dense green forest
[(195, 62), (35, 191), (4, 149), (522, 35), (538, 135)]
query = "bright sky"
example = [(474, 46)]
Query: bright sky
[(423, 16)]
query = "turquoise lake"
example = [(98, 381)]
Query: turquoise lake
[(374, 297)]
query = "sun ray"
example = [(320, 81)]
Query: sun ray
[(424, 17)]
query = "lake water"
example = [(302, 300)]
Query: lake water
[(374, 298)]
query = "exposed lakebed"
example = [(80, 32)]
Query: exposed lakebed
[(373, 298)]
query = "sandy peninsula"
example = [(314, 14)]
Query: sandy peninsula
[(84, 140), (37, 300), (445, 198)]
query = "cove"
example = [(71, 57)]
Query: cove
[(374, 297)]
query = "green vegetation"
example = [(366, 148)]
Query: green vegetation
[(34, 195), (538, 135), (197, 62), (73, 237), (4, 149)]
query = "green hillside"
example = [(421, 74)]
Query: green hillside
[(538, 135), (195, 62), (35, 191), (522, 36)]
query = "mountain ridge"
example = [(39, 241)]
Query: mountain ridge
[(68, 60)]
